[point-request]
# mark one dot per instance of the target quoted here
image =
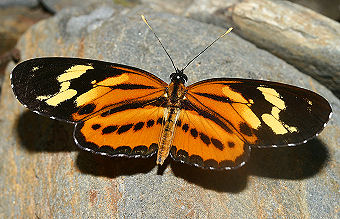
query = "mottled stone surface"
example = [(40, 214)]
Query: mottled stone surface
[(178, 7), (43, 174), (302, 37), (216, 12), (58, 5), (10, 3), (14, 22), (329, 8)]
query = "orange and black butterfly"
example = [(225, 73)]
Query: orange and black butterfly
[(120, 110)]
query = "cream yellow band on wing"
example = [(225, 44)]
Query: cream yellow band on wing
[(242, 105), (273, 119), (65, 93)]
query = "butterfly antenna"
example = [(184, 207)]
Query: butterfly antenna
[(225, 33), (146, 22)]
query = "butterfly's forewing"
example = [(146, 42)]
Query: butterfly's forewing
[(115, 107), (75, 89), (252, 113)]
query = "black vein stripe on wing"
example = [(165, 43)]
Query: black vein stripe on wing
[(111, 107), (249, 105), (213, 116)]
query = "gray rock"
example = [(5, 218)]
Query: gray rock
[(178, 7), (11, 3), (58, 5), (15, 21), (302, 37), (216, 12), (43, 174)]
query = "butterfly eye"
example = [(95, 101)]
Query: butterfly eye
[(179, 76)]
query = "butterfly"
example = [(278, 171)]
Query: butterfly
[(120, 110)]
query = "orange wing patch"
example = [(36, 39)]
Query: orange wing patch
[(202, 142), (115, 91), (234, 110), (128, 132)]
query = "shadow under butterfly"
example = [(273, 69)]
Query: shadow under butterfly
[(293, 163)]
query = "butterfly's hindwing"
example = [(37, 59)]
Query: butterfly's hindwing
[(205, 140), (74, 89), (263, 113), (131, 130)]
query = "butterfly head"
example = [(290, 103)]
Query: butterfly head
[(179, 76)]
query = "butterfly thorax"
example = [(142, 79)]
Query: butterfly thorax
[(176, 92)]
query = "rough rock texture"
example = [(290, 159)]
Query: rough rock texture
[(27, 3), (175, 7), (14, 22), (58, 5), (302, 37), (216, 12), (43, 174), (329, 8)]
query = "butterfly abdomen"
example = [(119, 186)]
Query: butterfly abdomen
[(176, 92), (168, 131)]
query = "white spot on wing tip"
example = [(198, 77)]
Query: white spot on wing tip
[(86, 149), (52, 117), (227, 168), (330, 115), (76, 141), (305, 141), (291, 144), (102, 153), (274, 146), (241, 164)]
